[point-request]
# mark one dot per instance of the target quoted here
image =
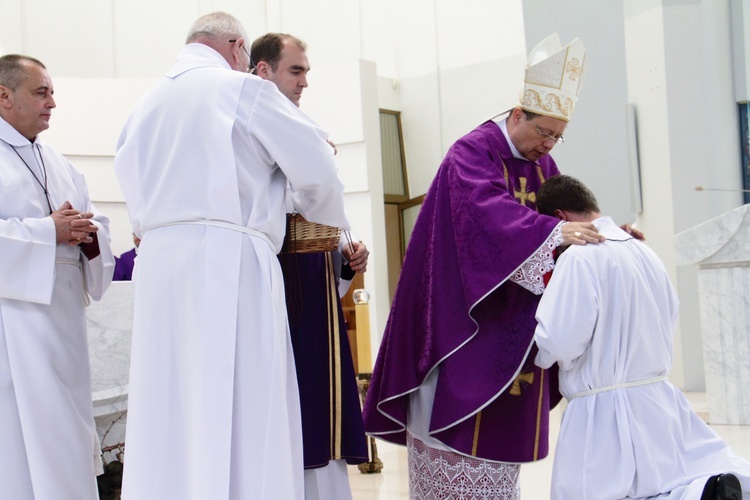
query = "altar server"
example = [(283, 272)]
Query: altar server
[(54, 254), (204, 162), (607, 319)]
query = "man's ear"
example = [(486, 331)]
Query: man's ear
[(262, 68), (236, 48), (6, 100), (560, 214), (516, 115)]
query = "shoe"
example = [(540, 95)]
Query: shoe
[(722, 487), (728, 488), (709, 490)]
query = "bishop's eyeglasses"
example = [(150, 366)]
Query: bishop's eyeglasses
[(547, 137)]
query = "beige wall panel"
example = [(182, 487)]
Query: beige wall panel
[(421, 123), (472, 94), (70, 38), (485, 32), (331, 28), (12, 34), (334, 100), (148, 35), (91, 112)]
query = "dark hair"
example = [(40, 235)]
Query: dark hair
[(564, 192), (268, 48), (12, 71)]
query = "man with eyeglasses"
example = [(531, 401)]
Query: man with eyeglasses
[(455, 379), (55, 255), (332, 430), (206, 169)]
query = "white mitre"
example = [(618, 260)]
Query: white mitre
[(554, 76)]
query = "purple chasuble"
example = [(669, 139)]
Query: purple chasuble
[(455, 309)]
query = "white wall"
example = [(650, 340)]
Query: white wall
[(740, 14), (680, 76), (647, 89), (456, 67), (596, 149)]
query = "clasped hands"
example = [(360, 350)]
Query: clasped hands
[(73, 226)]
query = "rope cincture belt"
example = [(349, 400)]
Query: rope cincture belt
[(618, 386), (216, 223)]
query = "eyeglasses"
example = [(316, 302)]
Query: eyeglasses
[(251, 66), (557, 140)]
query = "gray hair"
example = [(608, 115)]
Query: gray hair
[(12, 71), (216, 26)]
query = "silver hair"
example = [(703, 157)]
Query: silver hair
[(12, 71), (215, 26)]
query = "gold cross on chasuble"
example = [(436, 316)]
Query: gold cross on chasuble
[(522, 378), (523, 194)]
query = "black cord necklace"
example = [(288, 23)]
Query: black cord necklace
[(43, 185)]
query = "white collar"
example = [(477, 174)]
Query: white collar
[(10, 135), (504, 128)]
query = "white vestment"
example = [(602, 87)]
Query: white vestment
[(48, 443), (607, 318), (213, 404)]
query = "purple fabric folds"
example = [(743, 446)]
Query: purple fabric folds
[(124, 265), (456, 311), (332, 426)]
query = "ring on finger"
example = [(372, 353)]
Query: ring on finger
[(577, 234)]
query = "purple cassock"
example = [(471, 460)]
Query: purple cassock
[(332, 426), (124, 266), (456, 311)]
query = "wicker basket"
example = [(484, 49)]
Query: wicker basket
[(309, 237)]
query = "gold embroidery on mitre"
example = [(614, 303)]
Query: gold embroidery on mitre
[(574, 69), (522, 378), (532, 99), (554, 103), (550, 103)]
